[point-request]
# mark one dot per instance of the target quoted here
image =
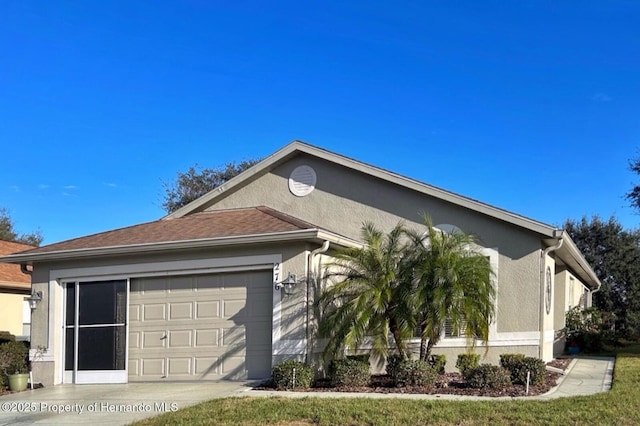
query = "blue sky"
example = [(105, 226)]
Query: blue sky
[(532, 106)]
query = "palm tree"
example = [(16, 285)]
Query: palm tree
[(452, 283), (371, 298)]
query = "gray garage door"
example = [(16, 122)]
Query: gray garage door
[(201, 327)]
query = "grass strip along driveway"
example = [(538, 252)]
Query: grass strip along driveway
[(620, 406)]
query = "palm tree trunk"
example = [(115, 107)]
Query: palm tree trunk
[(402, 350)]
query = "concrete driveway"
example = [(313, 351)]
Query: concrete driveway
[(108, 404)]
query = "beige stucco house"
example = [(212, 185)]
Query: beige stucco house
[(197, 294), (15, 315)]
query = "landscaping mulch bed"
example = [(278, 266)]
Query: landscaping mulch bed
[(446, 384)]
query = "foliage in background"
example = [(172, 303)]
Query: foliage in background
[(8, 232), (196, 182), (614, 255), (633, 196), (585, 328)]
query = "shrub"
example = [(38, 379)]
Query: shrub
[(411, 372), (535, 366), (467, 362), (585, 328), (392, 364), (512, 362), (6, 336), (438, 362), (13, 359), (283, 375), (349, 372), (488, 376)]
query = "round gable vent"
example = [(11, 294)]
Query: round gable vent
[(302, 181)]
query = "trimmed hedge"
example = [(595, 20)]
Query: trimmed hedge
[(438, 363), (467, 362), (488, 376), (349, 372), (511, 361), (283, 375), (412, 372), (519, 365)]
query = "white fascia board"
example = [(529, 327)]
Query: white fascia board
[(162, 246), (300, 235)]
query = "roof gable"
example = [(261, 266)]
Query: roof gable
[(297, 147), (546, 234)]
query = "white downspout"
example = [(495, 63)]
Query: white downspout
[(543, 261), (311, 275)]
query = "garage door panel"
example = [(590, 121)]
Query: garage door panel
[(180, 310), (134, 312), (134, 340), (157, 285), (207, 366), (206, 338), (153, 367), (153, 312), (180, 339), (206, 310), (180, 366), (209, 327), (234, 309), (153, 339), (180, 284), (209, 283)]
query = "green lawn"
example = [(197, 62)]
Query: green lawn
[(620, 406)]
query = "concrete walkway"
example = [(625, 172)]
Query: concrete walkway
[(123, 404)]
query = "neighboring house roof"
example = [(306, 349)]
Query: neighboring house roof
[(11, 277), (221, 227)]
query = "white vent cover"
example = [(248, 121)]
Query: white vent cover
[(302, 181)]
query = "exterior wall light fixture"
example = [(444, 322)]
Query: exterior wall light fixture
[(34, 299), (288, 284)]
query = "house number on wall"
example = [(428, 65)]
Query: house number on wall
[(276, 272)]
